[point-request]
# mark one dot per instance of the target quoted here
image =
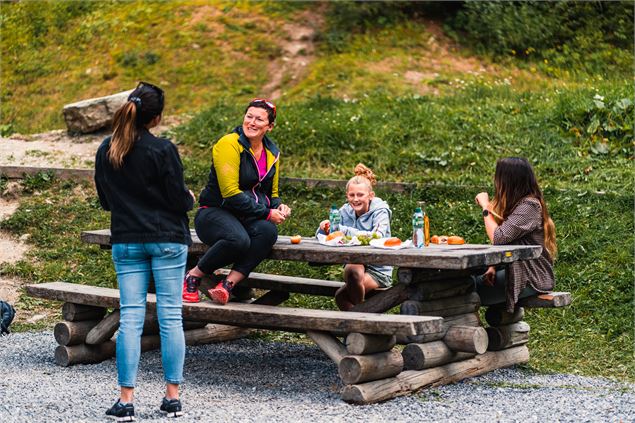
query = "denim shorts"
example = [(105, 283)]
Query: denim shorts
[(382, 279)]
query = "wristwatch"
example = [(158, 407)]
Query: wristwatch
[(485, 212)]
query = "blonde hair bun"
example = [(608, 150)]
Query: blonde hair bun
[(363, 171)]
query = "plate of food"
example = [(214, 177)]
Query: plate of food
[(338, 239), (390, 243)]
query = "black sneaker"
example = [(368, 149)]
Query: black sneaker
[(122, 412), (172, 407)]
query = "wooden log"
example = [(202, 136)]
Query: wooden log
[(385, 300), (430, 354), (550, 300), (105, 329), (469, 319), (360, 344), (435, 290), (329, 344), (507, 336), (362, 368), (443, 307), (498, 316), (408, 275), (67, 355), (73, 333), (411, 380), (471, 339), (72, 312), (214, 333)]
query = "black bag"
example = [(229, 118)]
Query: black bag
[(7, 312)]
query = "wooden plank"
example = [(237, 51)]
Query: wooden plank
[(550, 300), (293, 284), (412, 380), (253, 315), (433, 257)]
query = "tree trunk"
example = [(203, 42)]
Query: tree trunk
[(72, 312), (471, 339), (430, 354), (361, 368), (73, 333), (360, 344), (411, 380), (507, 336), (444, 307)]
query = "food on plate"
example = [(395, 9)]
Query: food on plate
[(392, 242), (327, 228), (365, 238), (334, 235), (455, 240), (439, 239), (296, 239)]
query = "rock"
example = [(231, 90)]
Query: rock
[(93, 114), (12, 190)]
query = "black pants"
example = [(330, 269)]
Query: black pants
[(245, 243)]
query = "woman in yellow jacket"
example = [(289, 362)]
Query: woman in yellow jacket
[(240, 207)]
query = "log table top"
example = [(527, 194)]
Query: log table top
[(444, 257)]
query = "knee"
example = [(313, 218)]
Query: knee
[(238, 242), (269, 232), (354, 274)]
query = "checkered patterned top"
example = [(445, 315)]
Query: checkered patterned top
[(524, 227)]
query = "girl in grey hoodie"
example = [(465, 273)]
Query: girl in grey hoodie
[(363, 213)]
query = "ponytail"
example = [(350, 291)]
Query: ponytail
[(144, 104), (124, 133)]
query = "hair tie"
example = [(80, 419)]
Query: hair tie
[(136, 100)]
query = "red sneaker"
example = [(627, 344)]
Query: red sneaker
[(190, 289), (221, 293)]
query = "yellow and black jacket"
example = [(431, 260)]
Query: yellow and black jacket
[(234, 183)]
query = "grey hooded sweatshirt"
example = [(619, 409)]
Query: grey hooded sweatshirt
[(376, 219)]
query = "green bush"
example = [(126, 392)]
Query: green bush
[(596, 37)]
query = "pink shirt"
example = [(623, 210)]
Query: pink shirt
[(262, 164)]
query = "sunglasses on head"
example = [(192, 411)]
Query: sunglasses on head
[(267, 103)]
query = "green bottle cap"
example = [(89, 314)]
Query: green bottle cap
[(418, 209)]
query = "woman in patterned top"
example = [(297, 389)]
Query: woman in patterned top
[(524, 220)]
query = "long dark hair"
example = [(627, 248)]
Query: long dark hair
[(144, 104), (514, 180)]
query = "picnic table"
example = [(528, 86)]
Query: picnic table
[(439, 323)]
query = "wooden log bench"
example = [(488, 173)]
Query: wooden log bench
[(370, 336)]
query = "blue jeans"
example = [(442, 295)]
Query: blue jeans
[(496, 294), (134, 264)]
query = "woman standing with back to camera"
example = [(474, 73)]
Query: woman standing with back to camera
[(139, 179), (524, 220)]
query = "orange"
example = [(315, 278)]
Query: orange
[(434, 239), (455, 240), (334, 235), (296, 239), (392, 242)]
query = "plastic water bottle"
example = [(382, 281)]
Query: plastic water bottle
[(334, 219), (417, 228)]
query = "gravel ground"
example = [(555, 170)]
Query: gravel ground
[(256, 381)]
